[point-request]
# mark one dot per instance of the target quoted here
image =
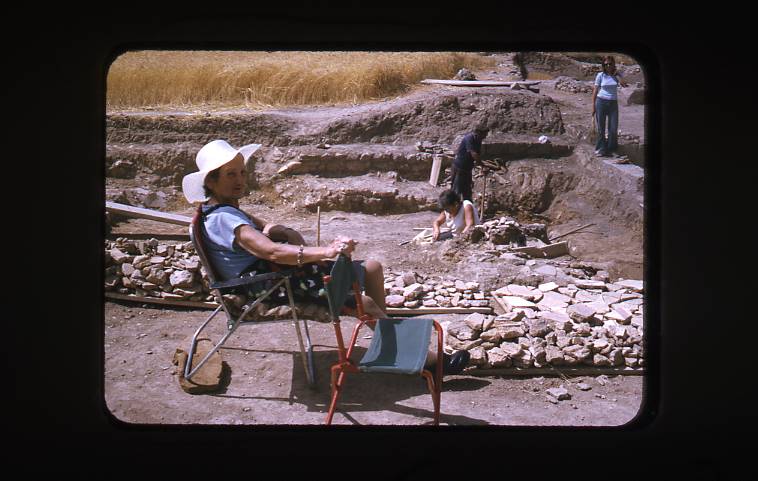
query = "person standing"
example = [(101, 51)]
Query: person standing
[(605, 107), (466, 157)]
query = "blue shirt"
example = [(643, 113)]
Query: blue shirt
[(228, 259), (463, 159), (608, 85)]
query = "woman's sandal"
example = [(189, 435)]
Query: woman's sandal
[(455, 363)]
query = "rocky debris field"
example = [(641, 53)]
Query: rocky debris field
[(588, 322), (576, 316)]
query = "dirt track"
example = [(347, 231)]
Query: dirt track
[(266, 384)]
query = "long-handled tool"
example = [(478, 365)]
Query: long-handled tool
[(318, 226), (484, 194)]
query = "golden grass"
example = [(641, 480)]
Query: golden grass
[(259, 79)]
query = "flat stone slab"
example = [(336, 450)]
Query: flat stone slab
[(636, 286), (514, 301), (208, 378)]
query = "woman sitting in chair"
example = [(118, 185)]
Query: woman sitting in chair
[(239, 243)]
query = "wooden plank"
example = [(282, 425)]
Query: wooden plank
[(501, 302), (391, 311), (555, 371), (555, 250), (403, 311), (140, 213), (148, 235), (550, 250), (477, 83), (532, 251), (160, 300)]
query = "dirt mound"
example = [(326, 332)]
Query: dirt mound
[(444, 118), (580, 66)]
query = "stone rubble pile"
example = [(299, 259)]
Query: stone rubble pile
[(432, 148), (149, 268), (173, 271), (411, 290), (573, 85), (464, 74), (584, 322), (507, 231), (580, 318)]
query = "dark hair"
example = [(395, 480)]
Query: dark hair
[(213, 174), (448, 198), (607, 60)]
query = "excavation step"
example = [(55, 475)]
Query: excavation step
[(357, 159), (377, 193), (172, 161)]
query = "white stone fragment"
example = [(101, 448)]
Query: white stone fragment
[(513, 301), (549, 286), (636, 286)]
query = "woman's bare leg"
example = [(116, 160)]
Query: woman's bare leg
[(375, 283)]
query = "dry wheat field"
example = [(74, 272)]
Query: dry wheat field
[(226, 79)]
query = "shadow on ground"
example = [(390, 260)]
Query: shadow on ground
[(374, 392)]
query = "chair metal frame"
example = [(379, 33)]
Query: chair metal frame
[(233, 322), (345, 365)]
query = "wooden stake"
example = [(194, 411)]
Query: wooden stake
[(484, 193), (318, 226), (434, 177), (570, 232)]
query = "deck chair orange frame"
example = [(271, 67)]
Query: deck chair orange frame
[(398, 346), (218, 288)]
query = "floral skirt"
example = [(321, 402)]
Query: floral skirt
[(307, 282)]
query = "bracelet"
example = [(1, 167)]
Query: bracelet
[(300, 257)]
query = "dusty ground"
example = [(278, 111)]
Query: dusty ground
[(266, 383)]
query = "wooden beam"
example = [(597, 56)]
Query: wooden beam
[(501, 302), (148, 235), (477, 83), (548, 251), (160, 300), (434, 175), (402, 311), (555, 371), (391, 311), (140, 213)]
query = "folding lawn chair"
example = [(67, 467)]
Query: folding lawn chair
[(398, 346), (219, 288)]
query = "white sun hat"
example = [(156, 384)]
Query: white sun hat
[(212, 156)]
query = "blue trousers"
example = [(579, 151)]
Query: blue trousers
[(607, 110)]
